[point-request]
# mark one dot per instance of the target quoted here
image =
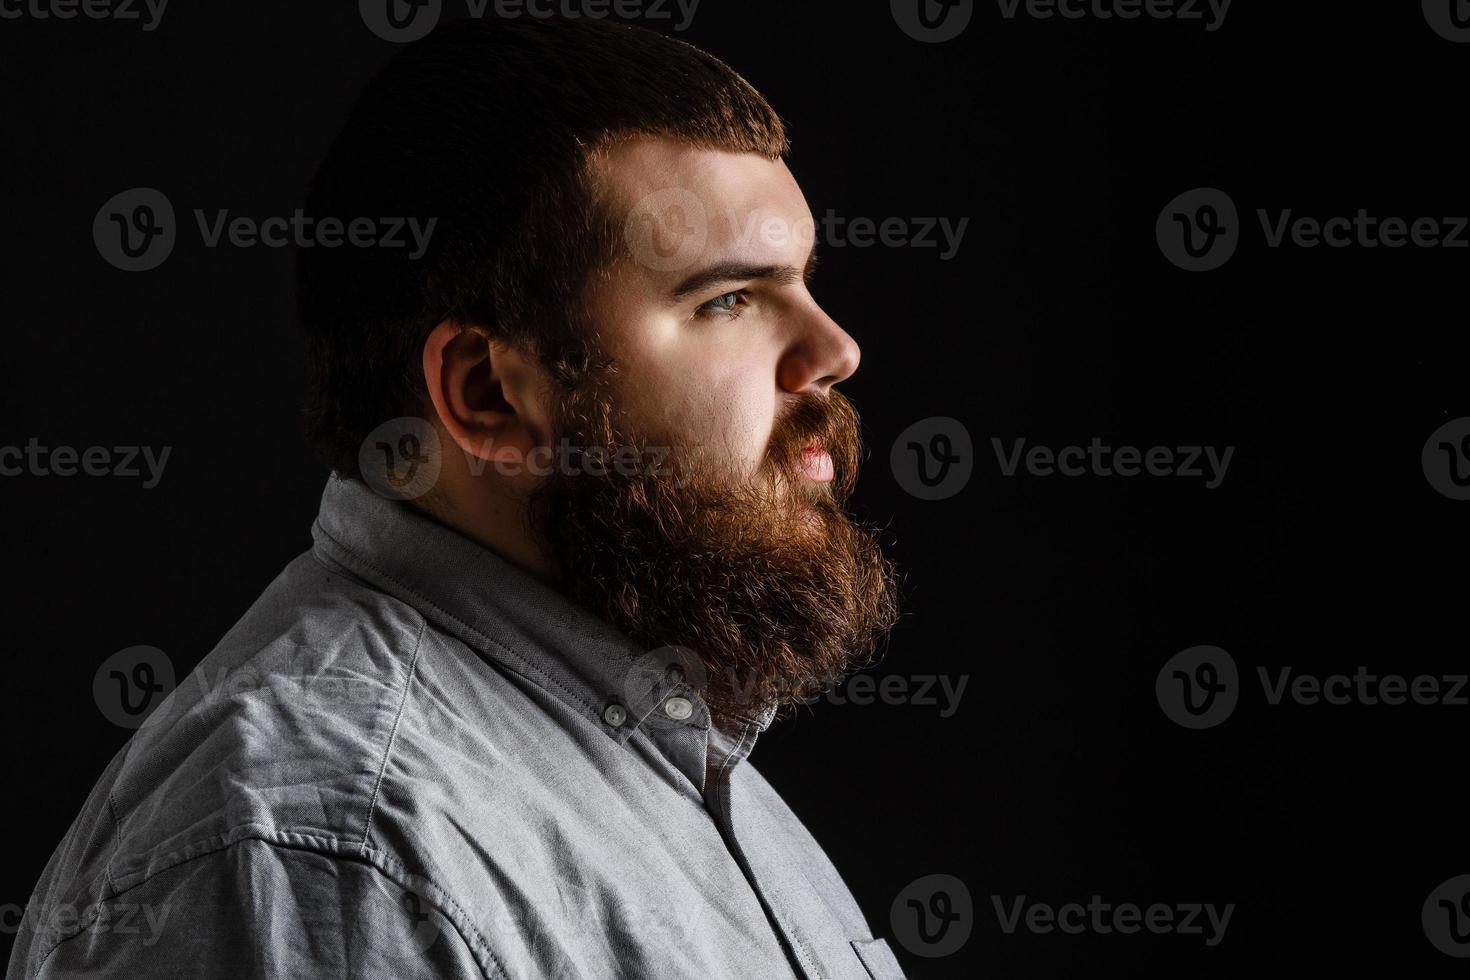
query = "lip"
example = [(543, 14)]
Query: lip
[(816, 463)]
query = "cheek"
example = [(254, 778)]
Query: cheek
[(691, 384), (726, 406), (742, 405)]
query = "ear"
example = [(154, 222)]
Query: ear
[(486, 393)]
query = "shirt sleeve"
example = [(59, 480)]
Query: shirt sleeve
[(257, 910)]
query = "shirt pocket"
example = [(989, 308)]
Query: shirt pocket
[(878, 959)]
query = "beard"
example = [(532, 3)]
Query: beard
[(772, 589)]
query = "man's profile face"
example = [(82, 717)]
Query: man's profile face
[(707, 307), (716, 349)]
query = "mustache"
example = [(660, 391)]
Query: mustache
[(589, 411), (831, 422)]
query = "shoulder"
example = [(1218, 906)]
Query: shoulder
[(280, 730), (244, 802), (257, 909)]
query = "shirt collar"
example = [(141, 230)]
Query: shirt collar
[(502, 611)]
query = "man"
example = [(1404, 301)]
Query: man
[(584, 539)]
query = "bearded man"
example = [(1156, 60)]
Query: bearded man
[(585, 537)]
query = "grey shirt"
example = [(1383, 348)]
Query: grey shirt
[(412, 759)]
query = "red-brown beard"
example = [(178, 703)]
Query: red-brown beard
[(772, 585)]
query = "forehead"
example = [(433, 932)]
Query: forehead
[(741, 206)]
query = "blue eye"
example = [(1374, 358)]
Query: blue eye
[(726, 304)]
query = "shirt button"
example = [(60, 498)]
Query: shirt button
[(678, 708), (614, 715)]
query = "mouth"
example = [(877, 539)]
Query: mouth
[(816, 463)]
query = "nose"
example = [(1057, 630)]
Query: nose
[(819, 356)]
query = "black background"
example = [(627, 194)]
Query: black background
[(1059, 777)]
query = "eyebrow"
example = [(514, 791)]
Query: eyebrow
[(723, 272)]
